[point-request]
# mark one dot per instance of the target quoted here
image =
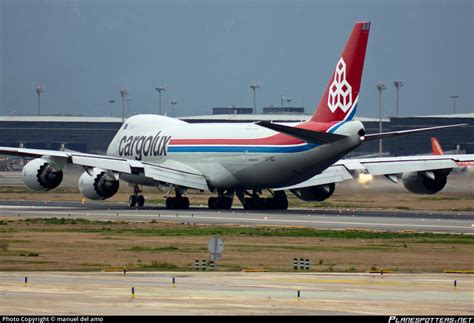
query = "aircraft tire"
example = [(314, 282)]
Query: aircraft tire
[(220, 203), (254, 203), (183, 203), (140, 200), (276, 204), (212, 203), (132, 200), (170, 203), (177, 203), (224, 203)]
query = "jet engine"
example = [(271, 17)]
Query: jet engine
[(315, 193), (429, 182), (41, 175), (98, 184)]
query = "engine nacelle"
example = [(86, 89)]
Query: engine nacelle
[(98, 185), (420, 183), (315, 193), (41, 175)]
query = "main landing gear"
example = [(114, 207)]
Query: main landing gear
[(136, 199), (223, 201), (278, 201), (178, 202)]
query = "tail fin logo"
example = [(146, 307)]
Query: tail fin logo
[(340, 91)]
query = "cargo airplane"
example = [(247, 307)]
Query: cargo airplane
[(245, 159)]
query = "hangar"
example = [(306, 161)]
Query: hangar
[(84, 134), (453, 139)]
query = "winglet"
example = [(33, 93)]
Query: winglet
[(313, 137)]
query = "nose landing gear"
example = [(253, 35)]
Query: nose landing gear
[(136, 199)]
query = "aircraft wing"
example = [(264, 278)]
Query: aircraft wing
[(171, 172), (390, 167), (174, 172)]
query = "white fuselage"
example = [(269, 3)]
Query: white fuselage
[(229, 155)]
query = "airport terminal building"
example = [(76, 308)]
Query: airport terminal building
[(84, 134), (453, 139), (93, 134)]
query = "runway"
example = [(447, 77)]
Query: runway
[(442, 222), (234, 293)]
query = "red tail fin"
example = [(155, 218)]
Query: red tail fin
[(436, 147), (339, 101)]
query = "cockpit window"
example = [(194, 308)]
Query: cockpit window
[(125, 126)]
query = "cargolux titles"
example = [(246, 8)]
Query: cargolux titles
[(140, 146)]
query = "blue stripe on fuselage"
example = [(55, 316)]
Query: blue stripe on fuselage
[(349, 118), (239, 149)]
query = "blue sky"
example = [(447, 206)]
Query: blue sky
[(208, 52)]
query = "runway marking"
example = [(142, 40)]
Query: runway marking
[(26, 207), (331, 222), (243, 219)]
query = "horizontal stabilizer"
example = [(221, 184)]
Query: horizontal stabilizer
[(382, 135), (310, 136)]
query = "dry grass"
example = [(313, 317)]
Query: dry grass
[(92, 246)]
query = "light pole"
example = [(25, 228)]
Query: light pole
[(123, 93), (454, 97), (254, 86), (380, 87), (288, 100), (173, 105), (398, 85), (112, 101), (160, 89), (39, 91)]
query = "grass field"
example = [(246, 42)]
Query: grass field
[(82, 245)]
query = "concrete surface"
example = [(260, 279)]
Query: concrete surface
[(235, 293)]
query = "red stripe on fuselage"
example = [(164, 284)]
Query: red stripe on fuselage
[(277, 139)]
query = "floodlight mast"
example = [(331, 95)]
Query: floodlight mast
[(254, 86), (380, 87), (123, 93), (454, 97), (39, 90), (111, 102), (173, 105), (288, 101), (160, 89), (398, 85)]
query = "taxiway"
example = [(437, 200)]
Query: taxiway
[(236, 293), (386, 220)]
